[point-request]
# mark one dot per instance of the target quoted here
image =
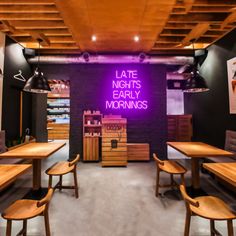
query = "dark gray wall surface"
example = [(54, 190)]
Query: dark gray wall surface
[(210, 110), (13, 62), (91, 84)]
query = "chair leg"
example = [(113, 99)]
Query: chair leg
[(172, 182), (230, 228), (182, 179), (8, 232), (187, 223), (157, 182), (60, 183), (24, 227), (50, 181), (76, 184), (212, 227), (46, 221)]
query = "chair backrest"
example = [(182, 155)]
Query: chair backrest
[(46, 199), (2, 142), (230, 141), (188, 200), (74, 162), (157, 160)]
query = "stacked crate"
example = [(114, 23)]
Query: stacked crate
[(114, 141)]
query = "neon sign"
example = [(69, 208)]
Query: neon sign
[(127, 91)]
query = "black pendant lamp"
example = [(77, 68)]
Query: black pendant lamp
[(38, 83), (195, 83)]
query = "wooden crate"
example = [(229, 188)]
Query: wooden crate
[(58, 131), (138, 152), (114, 128), (91, 148)]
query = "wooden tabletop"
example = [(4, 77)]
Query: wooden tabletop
[(33, 150), (198, 149), (9, 173), (226, 171)]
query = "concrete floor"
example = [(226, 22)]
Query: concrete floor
[(113, 202)]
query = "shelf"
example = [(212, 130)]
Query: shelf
[(58, 113), (92, 126), (63, 96), (59, 106), (92, 114)]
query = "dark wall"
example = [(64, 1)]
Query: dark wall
[(211, 109), (91, 86), (13, 62)]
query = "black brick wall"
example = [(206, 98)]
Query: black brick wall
[(89, 86)]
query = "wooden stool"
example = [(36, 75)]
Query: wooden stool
[(208, 207), (26, 209), (171, 167), (61, 168)]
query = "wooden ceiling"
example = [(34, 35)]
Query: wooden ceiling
[(66, 27)]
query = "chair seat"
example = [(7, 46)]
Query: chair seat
[(60, 168), (212, 208), (23, 209), (172, 167)]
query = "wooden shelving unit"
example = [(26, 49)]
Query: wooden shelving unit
[(58, 110), (92, 131), (114, 141)]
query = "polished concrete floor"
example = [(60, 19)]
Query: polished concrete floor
[(114, 202)]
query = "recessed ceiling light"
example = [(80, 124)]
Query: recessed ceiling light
[(136, 38), (94, 38)]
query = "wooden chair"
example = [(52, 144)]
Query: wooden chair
[(171, 167), (26, 209), (208, 207), (61, 168)]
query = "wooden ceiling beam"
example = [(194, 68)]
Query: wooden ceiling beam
[(188, 5), (196, 18), (36, 25), (27, 2), (30, 16), (214, 2), (196, 32), (60, 51), (229, 19), (47, 32), (28, 9), (40, 37), (7, 27)]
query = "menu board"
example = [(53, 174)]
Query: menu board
[(231, 68)]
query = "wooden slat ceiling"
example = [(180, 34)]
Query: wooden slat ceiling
[(66, 27)]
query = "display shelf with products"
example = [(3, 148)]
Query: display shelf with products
[(58, 110), (92, 131)]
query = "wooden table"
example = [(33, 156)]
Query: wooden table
[(197, 150), (36, 152), (226, 171), (8, 173)]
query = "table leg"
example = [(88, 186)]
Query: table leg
[(36, 174), (195, 173)]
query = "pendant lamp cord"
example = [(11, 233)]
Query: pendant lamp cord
[(38, 53)]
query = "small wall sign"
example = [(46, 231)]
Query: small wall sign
[(127, 91)]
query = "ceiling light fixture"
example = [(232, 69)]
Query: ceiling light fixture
[(136, 38), (37, 83), (195, 83), (94, 38)]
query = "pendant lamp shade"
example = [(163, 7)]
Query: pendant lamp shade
[(195, 83), (37, 83)]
